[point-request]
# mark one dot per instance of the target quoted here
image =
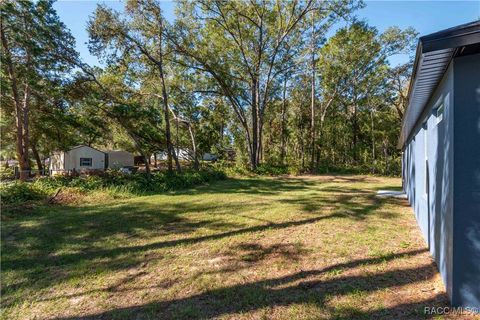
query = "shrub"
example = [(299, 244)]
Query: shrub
[(137, 183), (20, 192), (14, 195), (272, 170), (6, 173)]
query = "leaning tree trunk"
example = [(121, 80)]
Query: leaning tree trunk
[(36, 155), (196, 164), (168, 136)]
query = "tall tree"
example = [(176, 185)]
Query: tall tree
[(34, 44), (355, 76), (243, 46), (139, 32)]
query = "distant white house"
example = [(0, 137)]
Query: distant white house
[(79, 158), (84, 158), (117, 159), (210, 157), (182, 154), (185, 154)]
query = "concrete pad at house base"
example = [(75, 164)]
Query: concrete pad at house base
[(391, 194)]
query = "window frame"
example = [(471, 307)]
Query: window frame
[(438, 111), (86, 165), (426, 181)]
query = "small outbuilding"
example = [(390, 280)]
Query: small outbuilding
[(80, 158), (116, 159), (182, 154), (209, 157), (440, 141)]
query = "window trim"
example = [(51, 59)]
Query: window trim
[(425, 148), (439, 115), (84, 165)]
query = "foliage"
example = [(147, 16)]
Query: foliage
[(21, 192), (138, 184), (37, 59), (6, 173), (244, 48), (275, 170), (264, 80)]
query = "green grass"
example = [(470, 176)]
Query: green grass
[(321, 247)]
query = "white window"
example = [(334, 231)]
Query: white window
[(438, 112), (85, 162)]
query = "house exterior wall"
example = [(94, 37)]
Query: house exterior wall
[(466, 250), (118, 159), (72, 159), (449, 214), (428, 176)]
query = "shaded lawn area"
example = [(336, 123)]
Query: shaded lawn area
[(313, 247)]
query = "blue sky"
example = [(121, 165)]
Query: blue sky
[(425, 16)]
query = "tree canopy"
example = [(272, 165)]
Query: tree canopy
[(303, 84)]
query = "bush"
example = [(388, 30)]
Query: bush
[(137, 183), (20, 192), (6, 173), (15, 194)]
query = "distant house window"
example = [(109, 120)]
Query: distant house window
[(85, 162), (438, 112)]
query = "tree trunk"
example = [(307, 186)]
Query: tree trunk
[(37, 159), (25, 163), (373, 141), (196, 164), (312, 106), (147, 164), (254, 151), (260, 109), (284, 111), (21, 112), (355, 133), (168, 137), (385, 151)]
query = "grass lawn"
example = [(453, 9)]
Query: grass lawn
[(322, 247)]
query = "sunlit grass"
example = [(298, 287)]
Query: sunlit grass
[(320, 247)]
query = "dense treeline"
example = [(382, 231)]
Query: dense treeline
[(268, 79)]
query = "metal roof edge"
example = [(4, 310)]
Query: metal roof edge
[(451, 38)]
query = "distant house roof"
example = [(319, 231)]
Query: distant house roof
[(117, 151), (434, 53), (83, 145)]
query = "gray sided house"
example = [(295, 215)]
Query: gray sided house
[(79, 158), (84, 158), (440, 140)]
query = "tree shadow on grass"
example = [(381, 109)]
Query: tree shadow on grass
[(64, 259), (348, 203), (104, 238), (311, 286), (254, 186)]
